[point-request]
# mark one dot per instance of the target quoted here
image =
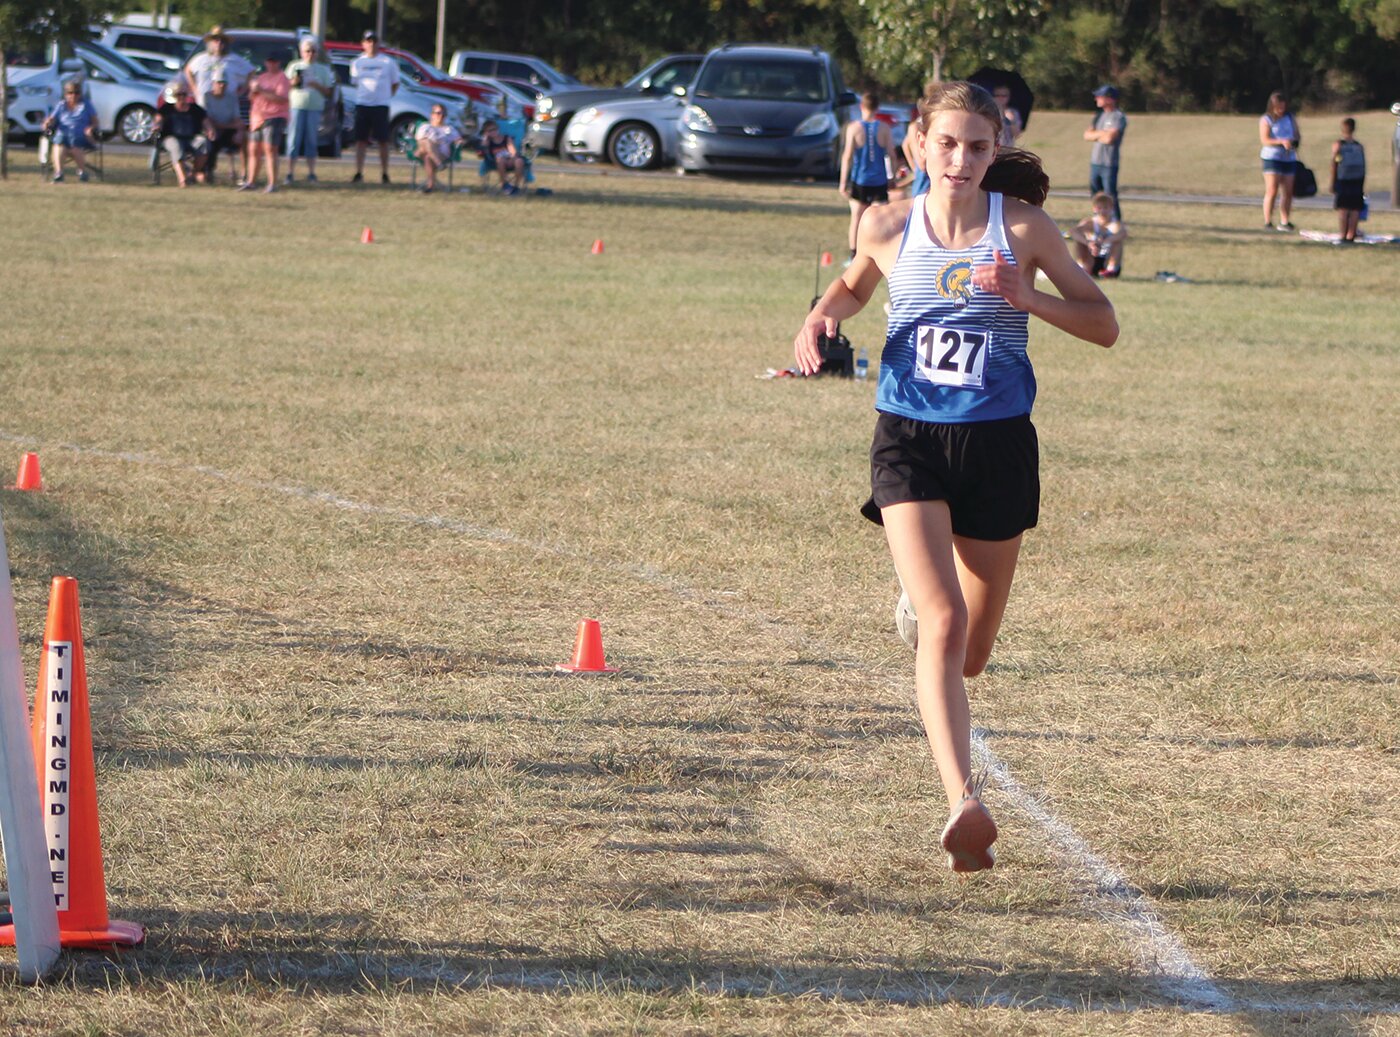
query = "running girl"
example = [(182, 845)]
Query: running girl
[(954, 464), (865, 158)]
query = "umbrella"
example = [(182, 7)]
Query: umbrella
[(1021, 97)]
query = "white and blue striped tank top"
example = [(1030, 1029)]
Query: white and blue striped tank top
[(952, 353)]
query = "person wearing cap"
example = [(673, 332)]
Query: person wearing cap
[(73, 124), (313, 82), (267, 120), (226, 121), (217, 57), (376, 79), (182, 128), (1106, 132)]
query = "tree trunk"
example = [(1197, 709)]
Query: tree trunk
[(4, 117)]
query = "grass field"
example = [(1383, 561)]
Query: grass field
[(336, 510)]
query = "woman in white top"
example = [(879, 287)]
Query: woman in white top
[(1278, 153)]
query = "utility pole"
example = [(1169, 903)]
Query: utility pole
[(379, 23), (318, 20), (441, 33)]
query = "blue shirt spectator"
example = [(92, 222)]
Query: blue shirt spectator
[(72, 117)]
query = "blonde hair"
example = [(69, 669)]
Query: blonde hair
[(1014, 172)]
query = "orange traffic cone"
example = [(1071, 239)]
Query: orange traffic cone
[(826, 259), (28, 477), (62, 735), (366, 237), (598, 247), (588, 651)]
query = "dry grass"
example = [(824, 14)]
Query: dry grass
[(344, 789)]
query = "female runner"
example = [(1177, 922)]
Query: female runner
[(954, 464)]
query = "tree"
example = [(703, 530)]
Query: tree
[(903, 43), (37, 23)]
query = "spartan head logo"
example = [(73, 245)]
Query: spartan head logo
[(955, 281)]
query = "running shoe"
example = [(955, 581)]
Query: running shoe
[(968, 837), (905, 621), (58, 178), (358, 178), (1287, 228), (290, 179), (82, 176), (311, 178)]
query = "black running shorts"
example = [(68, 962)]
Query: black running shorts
[(987, 471), (876, 194)]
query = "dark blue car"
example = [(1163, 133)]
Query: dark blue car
[(766, 109)]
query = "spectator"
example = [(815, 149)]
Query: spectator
[(1106, 132), (1348, 180), (183, 129), (864, 181), (217, 57), (73, 124), (435, 142), (376, 79), (226, 122), (913, 149), (268, 120), (1098, 239), (500, 153), (1278, 152), (312, 83), (1012, 123)]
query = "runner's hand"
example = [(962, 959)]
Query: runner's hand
[(1001, 278), (804, 347)]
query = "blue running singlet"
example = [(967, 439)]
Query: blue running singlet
[(952, 353), (868, 163)]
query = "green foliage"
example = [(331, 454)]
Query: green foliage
[(905, 43), (1067, 58)]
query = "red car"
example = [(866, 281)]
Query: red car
[(415, 70)]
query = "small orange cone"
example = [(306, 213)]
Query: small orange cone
[(588, 651), (62, 734), (598, 247), (366, 237), (826, 259), (28, 477)]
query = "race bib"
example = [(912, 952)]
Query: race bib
[(951, 356)]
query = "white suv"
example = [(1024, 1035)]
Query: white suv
[(520, 67)]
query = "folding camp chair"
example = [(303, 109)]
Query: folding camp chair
[(415, 163), (515, 130)]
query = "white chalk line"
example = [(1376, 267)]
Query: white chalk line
[(1162, 954)]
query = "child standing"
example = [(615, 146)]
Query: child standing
[(1098, 239), (1348, 179)]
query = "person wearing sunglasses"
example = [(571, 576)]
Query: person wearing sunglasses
[(435, 140), (183, 130)]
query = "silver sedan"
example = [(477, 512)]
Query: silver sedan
[(639, 133)]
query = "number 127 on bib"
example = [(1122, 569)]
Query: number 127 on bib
[(951, 356)]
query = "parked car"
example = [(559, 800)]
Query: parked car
[(759, 108), (554, 111), (481, 91), (409, 106), (134, 40), (635, 133), (511, 66), (511, 100), (123, 94), (155, 64), (257, 44)]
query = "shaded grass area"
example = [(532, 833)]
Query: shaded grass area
[(344, 788)]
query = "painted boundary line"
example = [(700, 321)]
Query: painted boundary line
[(1162, 954)]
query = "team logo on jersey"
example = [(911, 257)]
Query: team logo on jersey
[(955, 281)]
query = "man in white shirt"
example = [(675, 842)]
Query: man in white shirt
[(217, 58), (376, 79)]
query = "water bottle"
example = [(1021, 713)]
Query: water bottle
[(862, 365)]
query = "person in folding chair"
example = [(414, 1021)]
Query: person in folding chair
[(499, 151), (73, 126), (182, 132), (435, 145)]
